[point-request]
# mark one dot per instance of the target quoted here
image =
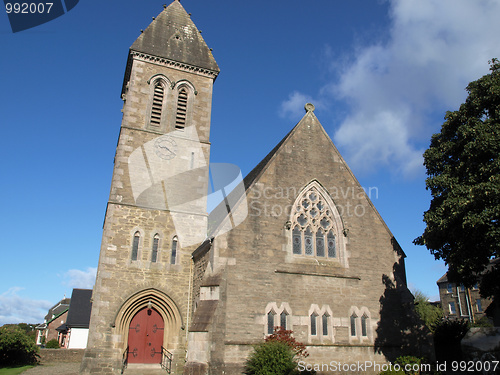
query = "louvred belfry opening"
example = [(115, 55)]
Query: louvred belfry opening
[(145, 337)]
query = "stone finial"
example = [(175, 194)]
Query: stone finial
[(164, 6), (309, 107)]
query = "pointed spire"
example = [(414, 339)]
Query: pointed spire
[(174, 36)]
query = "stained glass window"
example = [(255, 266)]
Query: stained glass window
[(332, 252), (308, 241), (297, 240), (320, 243)]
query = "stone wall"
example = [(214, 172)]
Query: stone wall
[(61, 355)]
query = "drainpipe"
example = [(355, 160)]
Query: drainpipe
[(191, 261), (469, 305), (459, 302)]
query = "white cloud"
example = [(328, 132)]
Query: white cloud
[(293, 107), (398, 91), (80, 279), (17, 309)]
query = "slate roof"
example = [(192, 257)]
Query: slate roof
[(174, 36), (56, 310), (79, 309)]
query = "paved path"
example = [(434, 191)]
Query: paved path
[(54, 368)]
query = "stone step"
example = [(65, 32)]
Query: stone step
[(144, 369)]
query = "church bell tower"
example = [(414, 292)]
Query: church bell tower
[(156, 213)]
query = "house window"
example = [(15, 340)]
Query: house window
[(324, 324), (270, 322), (479, 307), (313, 223), (157, 104), (364, 319), (283, 319), (450, 288), (314, 319), (135, 245), (353, 325), (154, 251), (182, 101), (453, 310), (462, 288), (173, 257)]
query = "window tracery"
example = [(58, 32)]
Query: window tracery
[(313, 226)]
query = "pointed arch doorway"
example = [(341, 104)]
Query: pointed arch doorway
[(145, 337)]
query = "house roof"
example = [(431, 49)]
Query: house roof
[(218, 215), (56, 310), (174, 36), (493, 262), (79, 309)]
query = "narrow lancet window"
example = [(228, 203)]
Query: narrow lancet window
[(308, 241), (314, 319), (325, 324), (283, 319), (320, 243), (270, 322), (364, 318), (297, 240), (332, 251), (135, 245), (156, 107), (173, 258), (353, 325), (182, 101), (154, 250)]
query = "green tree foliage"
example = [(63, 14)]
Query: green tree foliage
[(52, 344), (428, 313), (271, 358), (16, 348), (463, 168), (277, 355)]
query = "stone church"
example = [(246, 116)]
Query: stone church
[(297, 244)]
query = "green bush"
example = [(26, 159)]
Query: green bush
[(52, 344), (16, 348), (271, 358)]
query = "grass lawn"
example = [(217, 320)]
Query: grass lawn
[(13, 370)]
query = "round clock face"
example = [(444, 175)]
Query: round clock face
[(165, 147)]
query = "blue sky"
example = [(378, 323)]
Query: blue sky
[(381, 74)]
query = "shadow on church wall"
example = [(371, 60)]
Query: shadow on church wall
[(400, 330)]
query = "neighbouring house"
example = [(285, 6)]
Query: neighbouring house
[(459, 302), (73, 334), (56, 316)]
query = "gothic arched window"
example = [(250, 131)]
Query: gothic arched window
[(315, 224), (173, 257), (154, 250), (135, 245)]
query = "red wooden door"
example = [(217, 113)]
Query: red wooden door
[(145, 337)]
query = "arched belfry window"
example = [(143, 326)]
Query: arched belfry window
[(157, 104), (317, 228), (182, 104)]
